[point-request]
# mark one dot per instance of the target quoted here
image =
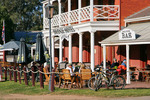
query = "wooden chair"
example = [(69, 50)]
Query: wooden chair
[(147, 76), (67, 78), (85, 75), (5, 64), (47, 77)]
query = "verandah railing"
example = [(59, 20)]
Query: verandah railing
[(99, 12)]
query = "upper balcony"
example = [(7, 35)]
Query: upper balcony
[(89, 13)]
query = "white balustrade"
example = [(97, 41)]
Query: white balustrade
[(74, 16), (104, 12), (85, 13), (64, 18)]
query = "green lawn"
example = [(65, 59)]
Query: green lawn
[(11, 87)]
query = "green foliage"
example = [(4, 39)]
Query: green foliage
[(9, 25), (26, 14)]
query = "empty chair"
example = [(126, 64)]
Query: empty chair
[(85, 75)]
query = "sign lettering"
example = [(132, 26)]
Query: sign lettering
[(68, 29), (126, 34)]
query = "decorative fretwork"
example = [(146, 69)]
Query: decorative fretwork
[(100, 12), (106, 12)]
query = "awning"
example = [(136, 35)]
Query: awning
[(142, 35)]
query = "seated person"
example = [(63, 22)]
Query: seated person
[(82, 67), (124, 62), (122, 68), (107, 64), (69, 67), (73, 66), (115, 64)]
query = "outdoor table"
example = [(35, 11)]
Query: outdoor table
[(133, 74)]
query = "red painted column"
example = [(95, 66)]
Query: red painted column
[(33, 77), (52, 82), (15, 74), (5, 73), (1, 71), (41, 78), (10, 74), (75, 54), (25, 76), (19, 78)]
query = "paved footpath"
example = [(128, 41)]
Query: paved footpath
[(65, 97)]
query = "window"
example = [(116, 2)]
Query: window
[(100, 2), (87, 2), (111, 2)]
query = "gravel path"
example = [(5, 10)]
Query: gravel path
[(65, 97)]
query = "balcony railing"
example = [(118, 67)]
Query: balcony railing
[(99, 13)]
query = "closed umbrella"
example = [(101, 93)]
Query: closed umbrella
[(41, 53), (24, 56)]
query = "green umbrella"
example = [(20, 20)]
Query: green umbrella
[(41, 53), (24, 56)]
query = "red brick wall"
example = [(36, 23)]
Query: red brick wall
[(129, 7), (65, 50)]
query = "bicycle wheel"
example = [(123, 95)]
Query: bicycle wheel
[(94, 84), (118, 83)]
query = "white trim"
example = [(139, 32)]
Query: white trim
[(80, 47), (79, 7), (46, 1), (59, 4), (69, 10), (128, 67), (137, 19), (53, 51), (88, 26), (91, 10), (70, 48), (104, 57), (92, 50), (60, 50), (130, 43)]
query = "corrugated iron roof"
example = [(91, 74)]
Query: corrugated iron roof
[(141, 13), (142, 31)]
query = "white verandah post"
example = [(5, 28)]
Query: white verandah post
[(92, 50), (127, 59), (60, 49), (69, 9), (91, 10), (79, 10), (70, 48), (59, 4), (104, 58), (53, 51), (80, 47)]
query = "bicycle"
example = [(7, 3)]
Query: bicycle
[(111, 79)]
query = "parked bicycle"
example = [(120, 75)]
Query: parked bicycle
[(110, 79)]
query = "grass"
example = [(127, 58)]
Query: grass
[(10, 87)]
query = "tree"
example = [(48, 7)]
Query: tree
[(9, 25), (26, 14)]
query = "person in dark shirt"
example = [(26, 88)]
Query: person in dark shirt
[(107, 64), (115, 64)]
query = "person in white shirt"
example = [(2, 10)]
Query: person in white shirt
[(69, 67)]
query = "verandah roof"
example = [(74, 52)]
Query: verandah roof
[(142, 31)]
